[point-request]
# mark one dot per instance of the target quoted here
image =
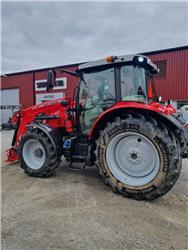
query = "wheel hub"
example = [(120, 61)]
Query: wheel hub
[(133, 158), (38, 152)]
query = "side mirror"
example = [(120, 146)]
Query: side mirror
[(51, 80)]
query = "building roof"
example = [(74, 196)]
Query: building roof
[(41, 69), (165, 50), (76, 64)]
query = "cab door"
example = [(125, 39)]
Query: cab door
[(97, 93)]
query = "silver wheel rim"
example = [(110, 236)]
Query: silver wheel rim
[(132, 158), (33, 154)]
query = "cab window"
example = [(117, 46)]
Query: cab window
[(97, 93), (133, 84), (97, 88)]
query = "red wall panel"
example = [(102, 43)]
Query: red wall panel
[(25, 84), (72, 81), (175, 85)]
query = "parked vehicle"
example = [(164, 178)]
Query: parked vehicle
[(184, 113), (12, 122), (185, 117), (114, 120)]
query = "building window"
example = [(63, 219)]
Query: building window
[(61, 83), (40, 85), (162, 65)]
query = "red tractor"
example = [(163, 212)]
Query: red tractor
[(114, 120)]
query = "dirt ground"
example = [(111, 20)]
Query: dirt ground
[(75, 210)]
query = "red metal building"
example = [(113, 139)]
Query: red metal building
[(32, 83), (28, 87), (172, 81)]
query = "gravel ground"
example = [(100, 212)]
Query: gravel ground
[(75, 210)]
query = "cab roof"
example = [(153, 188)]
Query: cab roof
[(117, 60)]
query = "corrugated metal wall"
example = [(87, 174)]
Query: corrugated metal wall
[(175, 85)]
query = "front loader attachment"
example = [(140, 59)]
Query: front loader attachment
[(51, 114), (12, 155)]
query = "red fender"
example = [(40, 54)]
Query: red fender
[(155, 107)]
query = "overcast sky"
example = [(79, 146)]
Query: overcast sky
[(44, 34)]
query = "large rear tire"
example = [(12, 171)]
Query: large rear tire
[(37, 155), (138, 157)]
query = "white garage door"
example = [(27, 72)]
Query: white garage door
[(9, 99)]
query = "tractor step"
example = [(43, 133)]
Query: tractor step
[(75, 151), (76, 167)]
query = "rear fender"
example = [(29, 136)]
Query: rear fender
[(110, 115)]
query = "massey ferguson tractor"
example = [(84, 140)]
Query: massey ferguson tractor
[(114, 121)]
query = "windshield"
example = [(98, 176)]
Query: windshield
[(133, 84)]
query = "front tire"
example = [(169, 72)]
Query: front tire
[(37, 155), (138, 157)]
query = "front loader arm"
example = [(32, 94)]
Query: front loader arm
[(51, 113)]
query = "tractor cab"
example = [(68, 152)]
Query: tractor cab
[(116, 79)]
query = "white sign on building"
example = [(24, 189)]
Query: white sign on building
[(61, 83), (49, 96)]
